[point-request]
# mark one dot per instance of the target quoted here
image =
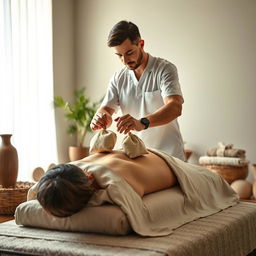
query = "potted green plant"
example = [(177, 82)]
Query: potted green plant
[(79, 114)]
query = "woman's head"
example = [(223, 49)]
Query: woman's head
[(64, 190)]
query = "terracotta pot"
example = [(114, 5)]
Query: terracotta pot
[(8, 162), (77, 153)]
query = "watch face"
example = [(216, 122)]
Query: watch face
[(145, 121)]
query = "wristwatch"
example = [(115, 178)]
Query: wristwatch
[(145, 121)]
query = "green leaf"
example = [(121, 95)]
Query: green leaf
[(79, 113), (72, 129), (58, 102)]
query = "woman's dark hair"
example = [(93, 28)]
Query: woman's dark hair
[(64, 190), (121, 31)]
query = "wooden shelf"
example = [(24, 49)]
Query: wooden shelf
[(4, 218), (248, 200)]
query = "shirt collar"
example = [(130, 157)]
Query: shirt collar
[(150, 63), (148, 66)]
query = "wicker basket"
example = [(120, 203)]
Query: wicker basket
[(228, 172), (11, 197)]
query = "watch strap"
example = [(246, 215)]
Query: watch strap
[(145, 122)]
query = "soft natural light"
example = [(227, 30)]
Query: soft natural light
[(26, 82)]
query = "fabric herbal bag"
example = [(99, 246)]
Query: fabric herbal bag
[(103, 141), (133, 146)]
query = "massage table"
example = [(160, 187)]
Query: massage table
[(229, 232), (200, 216)]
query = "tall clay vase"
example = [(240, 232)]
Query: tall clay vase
[(8, 162)]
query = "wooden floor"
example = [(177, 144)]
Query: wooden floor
[(4, 218)]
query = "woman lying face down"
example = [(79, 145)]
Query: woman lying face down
[(66, 188)]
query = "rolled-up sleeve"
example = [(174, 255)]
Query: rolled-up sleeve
[(169, 81)]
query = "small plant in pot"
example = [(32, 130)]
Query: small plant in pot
[(79, 114)]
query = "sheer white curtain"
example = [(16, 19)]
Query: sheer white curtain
[(26, 82)]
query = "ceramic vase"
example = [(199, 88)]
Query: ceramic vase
[(8, 162)]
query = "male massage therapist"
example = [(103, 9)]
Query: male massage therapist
[(148, 92)]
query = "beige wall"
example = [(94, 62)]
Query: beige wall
[(64, 67), (213, 45)]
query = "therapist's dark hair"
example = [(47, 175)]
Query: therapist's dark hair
[(121, 31), (64, 190)]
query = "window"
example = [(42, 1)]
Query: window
[(26, 82)]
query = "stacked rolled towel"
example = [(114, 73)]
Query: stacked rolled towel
[(224, 154), (226, 151)]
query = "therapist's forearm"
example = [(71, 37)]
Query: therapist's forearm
[(165, 114), (106, 110)]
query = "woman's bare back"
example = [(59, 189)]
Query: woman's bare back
[(145, 174)]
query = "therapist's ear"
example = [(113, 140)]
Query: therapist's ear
[(141, 43)]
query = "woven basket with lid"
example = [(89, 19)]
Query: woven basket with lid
[(11, 197)]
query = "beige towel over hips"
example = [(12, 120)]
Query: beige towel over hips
[(204, 193)]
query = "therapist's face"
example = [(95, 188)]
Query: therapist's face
[(130, 54)]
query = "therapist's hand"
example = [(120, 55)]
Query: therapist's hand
[(127, 123), (101, 121)]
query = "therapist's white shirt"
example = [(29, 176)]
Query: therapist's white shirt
[(143, 97)]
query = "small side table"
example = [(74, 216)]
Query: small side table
[(248, 200), (188, 153), (4, 218)]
